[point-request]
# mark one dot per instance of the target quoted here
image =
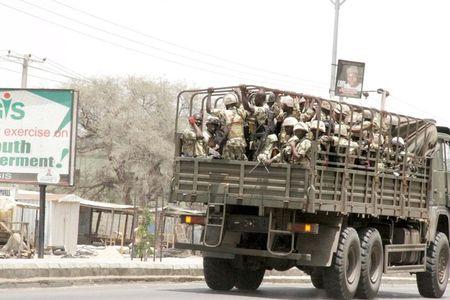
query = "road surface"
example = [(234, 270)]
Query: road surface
[(188, 291)]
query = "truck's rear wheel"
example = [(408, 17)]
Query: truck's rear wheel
[(371, 263), (433, 282), (317, 278), (219, 273), (249, 280), (342, 277)]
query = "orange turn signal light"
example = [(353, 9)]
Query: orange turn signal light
[(193, 220), (304, 228)]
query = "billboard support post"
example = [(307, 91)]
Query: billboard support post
[(42, 188), (337, 5)]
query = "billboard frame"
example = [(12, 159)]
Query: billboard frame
[(72, 143), (341, 68)]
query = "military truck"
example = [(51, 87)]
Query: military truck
[(349, 218)]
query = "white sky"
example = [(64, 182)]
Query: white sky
[(404, 44)]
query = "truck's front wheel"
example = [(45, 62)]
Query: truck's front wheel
[(433, 282), (249, 280), (342, 277), (219, 273)]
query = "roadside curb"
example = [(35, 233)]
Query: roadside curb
[(64, 281)]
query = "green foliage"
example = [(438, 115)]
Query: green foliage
[(145, 240)]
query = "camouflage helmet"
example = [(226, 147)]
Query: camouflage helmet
[(270, 97), (317, 125), (398, 141), (229, 99), (288, 101), (342, 110), (198, 116), (289, 121), (367, 114), (272, 138), (326, 105), (213, 121), (301, 126)]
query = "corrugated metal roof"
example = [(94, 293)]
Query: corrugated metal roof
[(34, 196)]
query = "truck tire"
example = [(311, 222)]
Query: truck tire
[(317, 278), (433, 281), (371, 263), (342, 277), (249, 280), (219, 273)]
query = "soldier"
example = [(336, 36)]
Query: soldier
[(257, 120), (396, 154), (286, 112), (213, 136), (285, 154), (193, 139), (340, 139), (318, 130), (369, 130), (233, 117), (301, 153), (267, 149)]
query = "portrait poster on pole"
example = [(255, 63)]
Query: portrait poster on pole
[(349, 79), (38, 135)]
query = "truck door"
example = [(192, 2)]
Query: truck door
[(439, 176), (447, 172)]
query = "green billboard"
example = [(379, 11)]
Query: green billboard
[(38, 135)]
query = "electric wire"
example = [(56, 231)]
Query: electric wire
[(32, 75), (158, 48), (180, 46), (129, 48)]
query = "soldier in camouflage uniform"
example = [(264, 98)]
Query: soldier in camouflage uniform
[(256, 120), (286, 153), (288, 111), (340, 139), (369, 130), (267, 149), (318, 133), (301, 154), (194, 141), (395, 155), (212, 137), (233, 118)]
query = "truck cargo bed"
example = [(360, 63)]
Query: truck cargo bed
[(332, 189)]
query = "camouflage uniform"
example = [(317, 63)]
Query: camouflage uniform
[(192, 145), (256, 122), (304, 152), (233, 119), (284, 140), (267, 148)]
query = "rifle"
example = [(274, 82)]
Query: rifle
[(259, 162)]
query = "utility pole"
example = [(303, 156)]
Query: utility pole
[(337, 5), (25, 60)]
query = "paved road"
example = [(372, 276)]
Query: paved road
[(188, 291)]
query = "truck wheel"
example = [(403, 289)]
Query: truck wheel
[(317, 278), (342, 277), (247, 280), (371, 263), (219, 273), (433, 281)]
